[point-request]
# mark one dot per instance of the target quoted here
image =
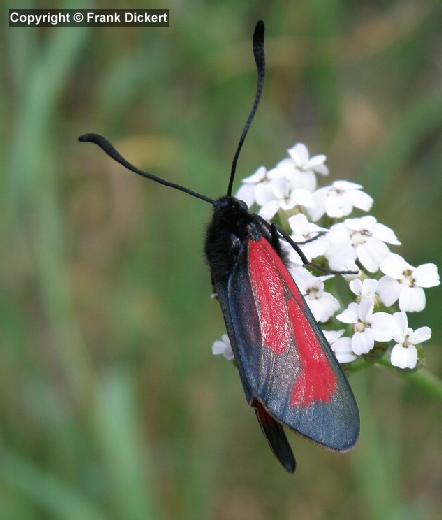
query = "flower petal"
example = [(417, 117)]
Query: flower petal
[(280, 187), (332, 335), (246, 193), (218, 348), (302, 179), (256, 177), (346, 185), (386, 234), (389, 290), (317, 210), (371, 254), (305, 280), (420, 335), (281, 170), (321, 169), (301, 275), (316, 160), (264, 193), (299, 223), (394, 266), (350, 314), (317, 310), (342, 349), (341, 256), (338, 205), (362, 223), (401, 321), (369, 287), (362, 342), (324, 307), (412, 299), (365, 310), (404, 357), (426, 275), (356, 286), (361, 200), (340, 233), (223, 347), (383, 326), (300, 198), (299, 154), (315, 248), (269, 209)]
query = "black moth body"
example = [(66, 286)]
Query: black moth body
[(228, 233)]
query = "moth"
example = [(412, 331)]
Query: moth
[(288, 371)]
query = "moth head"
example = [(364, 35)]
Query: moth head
[(229, 204)]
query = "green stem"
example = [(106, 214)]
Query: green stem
[(421, 378), (357, 366)]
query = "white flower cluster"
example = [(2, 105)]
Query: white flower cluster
[(386, 286)]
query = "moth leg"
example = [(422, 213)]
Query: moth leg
[(275, 231), (304, 259), (274, 234), (294, 244), (319, 234)]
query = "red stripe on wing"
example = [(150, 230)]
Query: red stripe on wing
[(317, 381), (284, 322), (276, 332)]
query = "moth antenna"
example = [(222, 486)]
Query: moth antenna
[(110, 150), (258, 53)]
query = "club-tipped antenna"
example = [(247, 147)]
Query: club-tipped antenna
[(110, 150), (258, 53)]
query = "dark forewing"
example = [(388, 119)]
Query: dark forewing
[(284, 359)]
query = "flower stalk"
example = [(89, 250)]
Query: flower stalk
[(420, 378)]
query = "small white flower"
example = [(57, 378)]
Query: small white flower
[(341, 346), (247, 190), (304, 230), (339, 199), (222, 347), (368, 326), (277, 194), (362, 238), (364, 288), (341, 255), (322, 304), (298, 178), (406, 283), (404, 353), (302, 160)]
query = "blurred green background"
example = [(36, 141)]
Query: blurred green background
[(111, 403)]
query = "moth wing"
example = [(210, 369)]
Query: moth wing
[(284, 359)]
